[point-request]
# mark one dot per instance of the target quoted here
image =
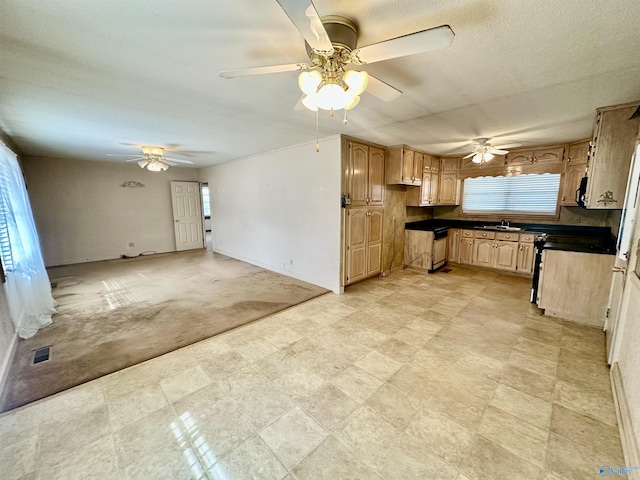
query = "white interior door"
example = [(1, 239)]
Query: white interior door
[(187, 216)]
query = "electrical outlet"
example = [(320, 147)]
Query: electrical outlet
[(132, 244)]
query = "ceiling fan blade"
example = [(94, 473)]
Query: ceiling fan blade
[(510, 145), (134, 159), (419, 42), (382, 90), (305, 17), (121, 155), (177, 160), (246, 72), (470, 155), (497, 151)]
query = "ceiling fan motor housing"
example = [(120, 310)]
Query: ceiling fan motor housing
[(342, 32)]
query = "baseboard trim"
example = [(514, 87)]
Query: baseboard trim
[(627, 436), (7, 361)]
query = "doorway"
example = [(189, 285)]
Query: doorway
[(187, 215), (206, 213)]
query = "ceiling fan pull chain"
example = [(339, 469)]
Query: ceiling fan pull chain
[(345, 117)]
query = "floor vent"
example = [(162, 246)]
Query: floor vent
[(42, 354), (445, 270)]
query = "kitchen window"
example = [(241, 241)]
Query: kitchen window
[(531, 194)]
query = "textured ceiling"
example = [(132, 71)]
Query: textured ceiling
[(83, 79)]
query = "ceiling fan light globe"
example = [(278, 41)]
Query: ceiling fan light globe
[(353, 103), (143, 163), (311, 102), (487, 156), (357, 81), (333, 96), (308, 81)]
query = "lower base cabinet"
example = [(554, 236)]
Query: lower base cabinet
[(363, 243), (575, 285)]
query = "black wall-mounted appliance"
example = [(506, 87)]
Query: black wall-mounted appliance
[(582, 192)]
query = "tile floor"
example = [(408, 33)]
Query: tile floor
[(447, 376)]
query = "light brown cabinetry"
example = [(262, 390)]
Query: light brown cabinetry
[(429, 193), (453, 251), (418, 249), (526, 254), (365, 174), (539, 160), (614, 137), (363, 239), (483, 252), (497, 250), (575, 285), (574, 169), (404, 166), (466, 247)]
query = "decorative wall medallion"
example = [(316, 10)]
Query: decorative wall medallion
[(607, 197), (132, 184)]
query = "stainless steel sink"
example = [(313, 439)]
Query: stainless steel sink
[(501, 228)]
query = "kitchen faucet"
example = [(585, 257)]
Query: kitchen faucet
[(505, 223)]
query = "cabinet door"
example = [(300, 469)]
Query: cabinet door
[(453, 253), (614, 139), (356, 243), (571, 182), (466, 251), (418, 162), (483, 252), (550, 157), (449, 165), (374, 241), (520, 158), (408, 174), (376, 176), (526, 254), (425, 189), (448, 189), (506, 255), (578, 153), (435, 188), (358, 172)]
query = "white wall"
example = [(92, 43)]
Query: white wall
[(281, 210), (82, 214)]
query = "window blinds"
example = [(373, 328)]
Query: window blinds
[(532, 194)]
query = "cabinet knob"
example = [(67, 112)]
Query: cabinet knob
[(563, 197)]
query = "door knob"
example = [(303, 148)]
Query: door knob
[(177, 220)]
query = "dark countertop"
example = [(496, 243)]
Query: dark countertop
[(574, 238)]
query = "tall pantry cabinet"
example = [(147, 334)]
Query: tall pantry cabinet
[(363, 189)]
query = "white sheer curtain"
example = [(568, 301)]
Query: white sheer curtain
[(28, 288)]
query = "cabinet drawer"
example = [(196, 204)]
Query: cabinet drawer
[(508, 237), (488, 235), (467, 233), (527, 237)]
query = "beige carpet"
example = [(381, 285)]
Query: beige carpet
[(117, 313)]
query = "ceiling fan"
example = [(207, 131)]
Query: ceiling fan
[(331, 44), (153, 159), (483, 151)]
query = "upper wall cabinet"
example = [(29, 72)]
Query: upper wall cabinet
[(404, 166), (494, 167), (574, 169), (540, 160), (614, 137), (364, 173)]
